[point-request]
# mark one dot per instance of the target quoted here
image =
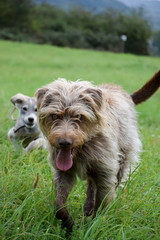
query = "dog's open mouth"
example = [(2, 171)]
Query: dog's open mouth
[(64, 160), (29, 125)]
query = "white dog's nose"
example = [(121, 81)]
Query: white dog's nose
[(30, 120)]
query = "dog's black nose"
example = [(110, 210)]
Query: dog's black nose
[(65, 142), (31, 120)]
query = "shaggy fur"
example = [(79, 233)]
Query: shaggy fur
[(92, 133), (26, 129)]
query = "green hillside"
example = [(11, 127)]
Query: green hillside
[(151, 8), (27, 213), (91, 5)]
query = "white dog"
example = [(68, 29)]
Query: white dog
[(26, 130)]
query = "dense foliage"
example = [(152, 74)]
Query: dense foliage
[(21, 20), (156, 42)]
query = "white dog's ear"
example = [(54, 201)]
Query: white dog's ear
[(39, 94), (18, 99)]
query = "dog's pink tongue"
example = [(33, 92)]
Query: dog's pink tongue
[(64, 159)]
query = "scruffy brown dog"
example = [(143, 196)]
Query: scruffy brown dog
[(91, 132)]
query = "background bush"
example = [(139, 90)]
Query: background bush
[(21, 20)]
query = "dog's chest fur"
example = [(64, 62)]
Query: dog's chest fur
[(95, 156)]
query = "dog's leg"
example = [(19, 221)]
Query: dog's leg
[(90, 201), (105, 192), (63, 184), (35, 144), (13, 138)]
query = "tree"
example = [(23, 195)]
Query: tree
[(138, 32), (15, 14)]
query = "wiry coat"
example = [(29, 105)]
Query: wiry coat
[(95, 130)]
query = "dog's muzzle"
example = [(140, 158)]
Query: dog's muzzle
[(30, 123)]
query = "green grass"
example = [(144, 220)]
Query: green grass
[(28, 213)]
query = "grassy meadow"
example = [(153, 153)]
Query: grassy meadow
[(28, 213)]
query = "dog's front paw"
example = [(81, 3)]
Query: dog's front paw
[(68, 225)]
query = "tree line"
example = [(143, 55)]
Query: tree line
[(22, 20)]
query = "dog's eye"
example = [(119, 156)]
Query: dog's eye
[(54, 116), (35, 109), (79, 117), (25, 109)]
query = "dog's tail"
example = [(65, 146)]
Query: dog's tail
[(147, 90)]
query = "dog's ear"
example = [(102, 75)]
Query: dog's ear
[(18, 99), (40, 94), (96, 96)]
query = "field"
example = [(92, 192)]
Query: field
[(28, 213)]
